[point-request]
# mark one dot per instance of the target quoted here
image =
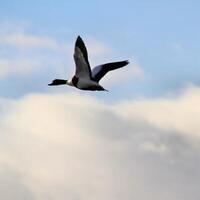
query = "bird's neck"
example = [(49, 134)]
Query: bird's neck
[(69, 82)]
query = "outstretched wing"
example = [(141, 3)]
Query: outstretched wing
[(99, 71), (81, 60)]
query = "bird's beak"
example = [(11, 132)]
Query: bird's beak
[(50, 84)]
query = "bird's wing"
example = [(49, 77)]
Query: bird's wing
[(81, 60), (99, 71)]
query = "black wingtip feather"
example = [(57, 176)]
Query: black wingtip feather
[(79, 42), (79, 37), (126, 62)]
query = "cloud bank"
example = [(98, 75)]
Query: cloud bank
[(71, 146)]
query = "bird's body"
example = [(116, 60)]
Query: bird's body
[(85, 78), (84, 84)]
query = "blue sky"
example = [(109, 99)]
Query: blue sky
[(139, 141), (161, 36)]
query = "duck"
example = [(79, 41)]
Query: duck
[(85, 78)]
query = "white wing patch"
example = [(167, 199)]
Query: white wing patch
[(96, 70), (82, 68)]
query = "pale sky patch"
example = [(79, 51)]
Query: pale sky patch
[(96, 47), (22, 66), (177, 47), (130, 72)]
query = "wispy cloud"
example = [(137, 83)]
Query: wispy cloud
[(21, 66), (25, 53), (16, 35), (24, 40), (97, 48)]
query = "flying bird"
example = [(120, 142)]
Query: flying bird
[(85, 78)]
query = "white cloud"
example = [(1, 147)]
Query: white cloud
[(160, 148), (22, 39), (180, 114), (71, 146)]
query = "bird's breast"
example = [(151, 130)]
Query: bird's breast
[(75, 81), (85, 83)]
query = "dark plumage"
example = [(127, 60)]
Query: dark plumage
[(105, 68)]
